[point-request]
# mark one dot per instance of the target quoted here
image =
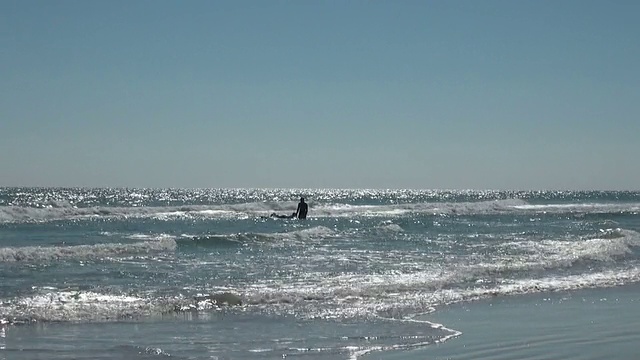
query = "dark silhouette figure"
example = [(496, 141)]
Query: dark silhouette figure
[(301, 212)]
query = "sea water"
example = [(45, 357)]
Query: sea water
[(207, 274)]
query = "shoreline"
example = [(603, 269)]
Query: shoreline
[(579, 324)]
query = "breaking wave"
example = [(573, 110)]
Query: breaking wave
[(74, 306), (604, 246), (412, 294), (333, 298), (35, 254), (340, 295)]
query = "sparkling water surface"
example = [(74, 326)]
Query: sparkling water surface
[(125, 273)]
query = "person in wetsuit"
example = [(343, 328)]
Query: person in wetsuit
[(301, 212)]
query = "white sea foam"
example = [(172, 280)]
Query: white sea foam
[(585, 208), (393, 297), (151, 237), (79, 305), (336, 297), (605, 246), (35, 254), (608, 278), (74, 306), (303, 235), (360, 294), (357, 352)]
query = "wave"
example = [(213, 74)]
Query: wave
[(416, 293), (607, 245), (68, 305), (397, 297), (52, 213), (257, 209), (303, 236), (36, 254), (442, 284)]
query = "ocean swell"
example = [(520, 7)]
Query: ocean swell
[(38, 254)]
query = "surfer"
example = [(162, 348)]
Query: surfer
[(301, 212)]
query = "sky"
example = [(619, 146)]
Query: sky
[(460, 94)]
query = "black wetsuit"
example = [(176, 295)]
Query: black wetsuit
[(302, 210)]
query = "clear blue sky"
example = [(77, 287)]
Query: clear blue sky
[(376, 94)]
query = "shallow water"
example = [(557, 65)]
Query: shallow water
[(585, 324)]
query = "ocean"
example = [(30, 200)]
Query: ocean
[(370, 274)]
